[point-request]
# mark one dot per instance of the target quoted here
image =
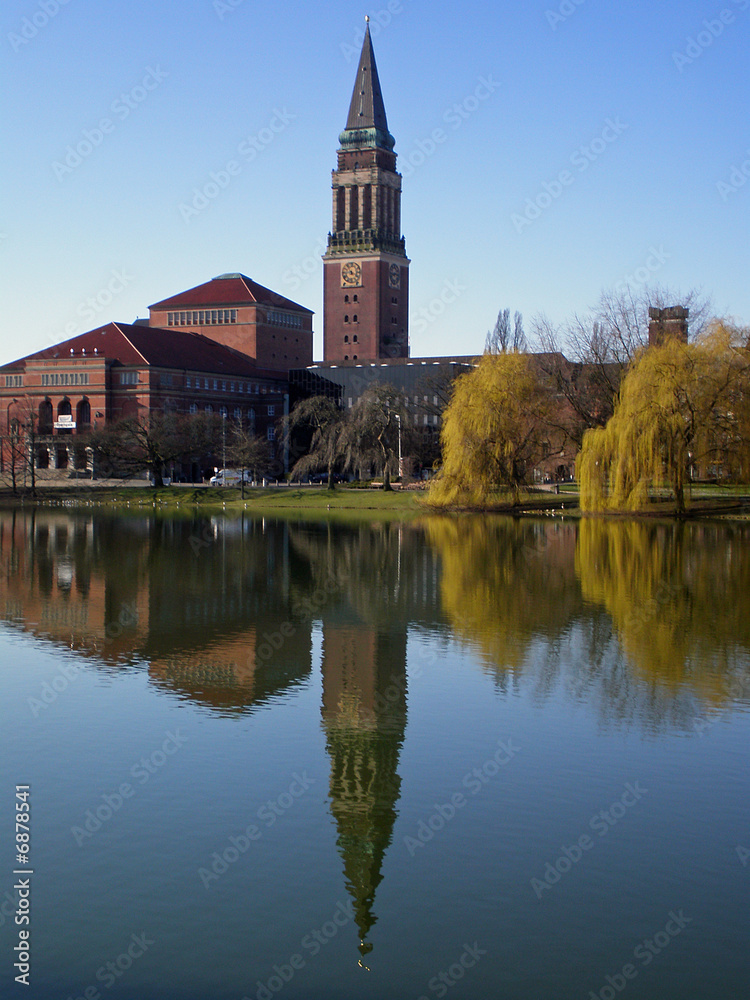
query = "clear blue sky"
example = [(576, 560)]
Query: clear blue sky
[(159, 96)]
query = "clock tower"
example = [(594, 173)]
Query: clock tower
[(365, 268)]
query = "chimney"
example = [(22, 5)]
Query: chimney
[(666, 323)]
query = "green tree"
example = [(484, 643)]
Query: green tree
[(315, 426), (681, 407), (493, 430)]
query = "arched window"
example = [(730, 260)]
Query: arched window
[(64, 409), (83, 415), (45, 417)]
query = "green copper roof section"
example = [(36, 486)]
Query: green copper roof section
[(366, 124)]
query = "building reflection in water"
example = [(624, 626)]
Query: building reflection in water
[(364, 715), (648, 624)]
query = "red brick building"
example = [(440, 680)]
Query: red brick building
[(58, 395), (235, 310), (365, 268)]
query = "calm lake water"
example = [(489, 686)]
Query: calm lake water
[(470, 758)]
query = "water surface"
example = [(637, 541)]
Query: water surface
[(474, 757)]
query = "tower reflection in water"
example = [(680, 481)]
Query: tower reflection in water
[(364, 715)]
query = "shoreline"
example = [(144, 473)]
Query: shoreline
[(318, 501)]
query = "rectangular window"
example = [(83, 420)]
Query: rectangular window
[(234, 315), (193, 407), (271, 433), (216, 384), (213, 315), (223, 387), (231, 386), (271, 410), (188, 382)]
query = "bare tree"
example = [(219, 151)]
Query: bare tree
[(316, 425), (504, 337), (247, 451), (586, 357), (372, 431)]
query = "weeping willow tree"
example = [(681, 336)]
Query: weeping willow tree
[(679, 606), (682, 407), (504, 584), (492, 431)]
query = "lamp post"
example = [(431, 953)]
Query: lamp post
[(400, 463)]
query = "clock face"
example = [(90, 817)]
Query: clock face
[(394, 276), (351, 274)]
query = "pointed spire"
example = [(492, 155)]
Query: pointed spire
[(367, 110)]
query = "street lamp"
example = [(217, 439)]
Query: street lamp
[(400, 463)]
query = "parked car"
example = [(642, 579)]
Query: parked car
[(230, 477)]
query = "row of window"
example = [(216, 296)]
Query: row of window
[(191, 382), (285, 319), (200, 382), (237, 414), (224, 411), (13, 381), (64, 378), (202, 317)]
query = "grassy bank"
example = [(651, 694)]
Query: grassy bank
[(266, 501)]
